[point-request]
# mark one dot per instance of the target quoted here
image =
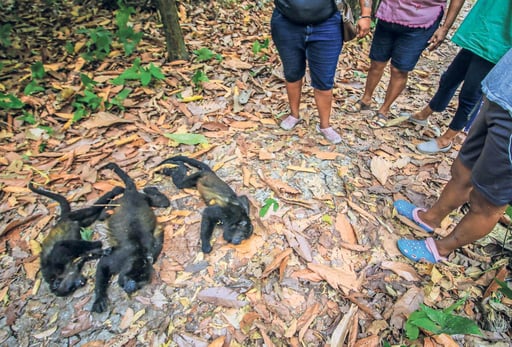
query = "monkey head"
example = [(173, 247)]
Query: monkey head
[(67, 280), (237, 232)]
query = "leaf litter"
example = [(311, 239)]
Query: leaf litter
[(321, 270)]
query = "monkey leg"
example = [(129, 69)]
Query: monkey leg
[(103, 274), (211, 216), (87, 216)]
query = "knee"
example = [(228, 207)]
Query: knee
[(378, 66), (479, 204), (397, 72)]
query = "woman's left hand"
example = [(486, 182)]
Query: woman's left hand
[(363, 27)]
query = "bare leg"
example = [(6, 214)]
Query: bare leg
[(396, 85), (424, 113), (323, 99), (445, 139), (478, 222), (372, 80), (293, 89), (455, 193)]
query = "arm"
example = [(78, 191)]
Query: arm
[(365, 20), (442, 31)]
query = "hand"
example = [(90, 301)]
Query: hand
[(363, 27), (438, 38)]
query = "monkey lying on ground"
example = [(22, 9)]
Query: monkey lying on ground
[(136, 240), (224, 206), (63, 252)]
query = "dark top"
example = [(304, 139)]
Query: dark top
[(306, 12)]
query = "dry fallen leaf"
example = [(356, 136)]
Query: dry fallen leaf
[(404, 270), (345, 229), (381, 169)]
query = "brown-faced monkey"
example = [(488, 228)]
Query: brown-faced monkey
[(224, 206), (136, 240), (63, 252)]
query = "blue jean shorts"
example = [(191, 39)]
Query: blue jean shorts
[(401, 44), (487, 152), (319, 45)]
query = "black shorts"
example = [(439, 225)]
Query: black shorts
[(487, 151)]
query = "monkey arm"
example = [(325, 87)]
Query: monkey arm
[(107, 266), (158, 243), (211, 216)]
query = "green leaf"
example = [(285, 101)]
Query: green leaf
[(199, 76), (327, 219), (145, 77), (119, 98), (456, 305), (5, 32), (269, 202), (87, 81), (70, 49), (156, 72), (79, 113), (460, 325), (187, 138), (10, 102), (436, 316), (32, 88), (86, 234), (46, 128), (504, 288), (37, 70), (256, 47), (508, 211), (411, 330), (27, 118), (204, 54)]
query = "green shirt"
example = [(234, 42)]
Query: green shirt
[(487, 29)]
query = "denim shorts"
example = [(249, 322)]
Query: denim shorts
[(487, 152), (319, 45), (401, 44)]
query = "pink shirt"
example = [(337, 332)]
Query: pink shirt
[(411, 13)]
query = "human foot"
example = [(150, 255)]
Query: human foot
[(289, 122), (433, 147), (330, 134), (410, 211), (420, 250)]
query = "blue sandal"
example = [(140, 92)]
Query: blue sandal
[(408, 210), (420, 250)]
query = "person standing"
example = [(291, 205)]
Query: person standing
[(484, 36), (404, 29), (310, 32), (481, 174)]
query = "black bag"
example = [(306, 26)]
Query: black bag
[(347, 23), (305, 12)]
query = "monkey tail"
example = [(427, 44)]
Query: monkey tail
[(65, 208), (128, 182), (192, 162)]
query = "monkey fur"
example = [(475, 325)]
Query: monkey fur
[(63, 252), (136, 240), (223, 205)]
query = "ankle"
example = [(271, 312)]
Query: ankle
[(423, 215)]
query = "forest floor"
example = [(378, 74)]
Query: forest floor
[(320, 270)]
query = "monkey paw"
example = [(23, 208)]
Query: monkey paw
[(206, 248), (100, 305)]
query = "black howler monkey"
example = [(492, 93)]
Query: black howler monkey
[(224, 206), (136, 240), (63, 251)]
